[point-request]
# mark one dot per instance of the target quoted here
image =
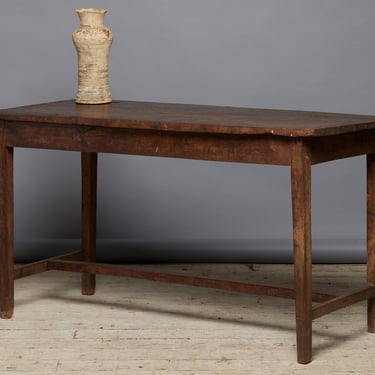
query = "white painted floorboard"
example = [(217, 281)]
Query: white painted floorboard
[(143, 327)]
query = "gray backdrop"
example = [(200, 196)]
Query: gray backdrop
[(296, 54)]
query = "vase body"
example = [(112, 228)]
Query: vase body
[(92, 41)]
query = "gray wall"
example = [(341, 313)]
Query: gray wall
[(296, 54)]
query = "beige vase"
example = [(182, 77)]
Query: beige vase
[(92, 41)]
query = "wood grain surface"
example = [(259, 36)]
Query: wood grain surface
[(193, 118)]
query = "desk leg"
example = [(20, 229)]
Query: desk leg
[(89, 187), (6, 233), (301, 205), (371, 238)]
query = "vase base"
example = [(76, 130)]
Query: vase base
[(106, 101), (93, 95)]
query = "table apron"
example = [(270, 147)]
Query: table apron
[(259, 149), (323, 149)]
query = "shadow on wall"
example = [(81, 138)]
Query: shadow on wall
[(202, 251)]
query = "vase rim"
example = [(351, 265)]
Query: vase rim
[(91, 10)]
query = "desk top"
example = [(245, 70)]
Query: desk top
[(191, 118)]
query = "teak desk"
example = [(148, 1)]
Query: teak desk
[(294, 138)]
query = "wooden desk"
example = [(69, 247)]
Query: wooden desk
[(294, 138)]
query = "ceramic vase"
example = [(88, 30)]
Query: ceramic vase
[(92, 41)]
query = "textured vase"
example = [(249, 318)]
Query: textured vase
[(92, 41)]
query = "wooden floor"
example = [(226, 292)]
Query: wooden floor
[(143, 327)]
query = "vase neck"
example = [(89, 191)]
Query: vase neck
[(91, 17)]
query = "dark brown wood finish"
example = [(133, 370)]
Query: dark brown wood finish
[(294, 138), (42, 265), (263, 149), (89, 163), (6, 229), (343, 301), (192, 118), (371, 238), (146, 274), (340, 146), (301, 208)]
